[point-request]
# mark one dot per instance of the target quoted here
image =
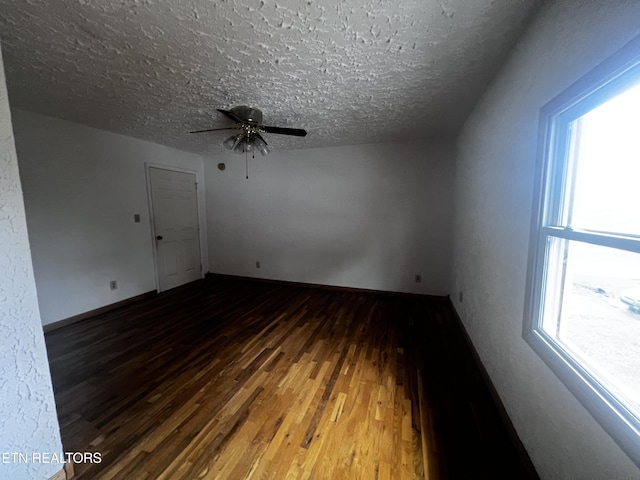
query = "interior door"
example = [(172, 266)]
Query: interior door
[(175, 219)]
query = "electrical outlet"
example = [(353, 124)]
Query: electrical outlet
[(418, 278), (460, 295), (136, 218), (113, 285), (257, 264)]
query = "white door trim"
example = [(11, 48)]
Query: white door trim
[(200, 205)]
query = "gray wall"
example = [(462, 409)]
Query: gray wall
[(82, 188), (494, 192), (28, 421), (365, 216)]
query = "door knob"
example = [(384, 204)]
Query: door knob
[(159, 237)]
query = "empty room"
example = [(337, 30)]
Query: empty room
[(319, 240)]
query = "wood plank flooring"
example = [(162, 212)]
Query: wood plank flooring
[(231, 379)]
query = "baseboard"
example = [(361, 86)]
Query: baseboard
[(98, 311), (532, 474), (319, 286), (65, 473), (59, 475), (68, 468)]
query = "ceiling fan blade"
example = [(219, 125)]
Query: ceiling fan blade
[(214, 129), (298, 132), (231, 115)]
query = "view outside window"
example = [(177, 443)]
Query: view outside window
[(591, 302), (607, 185)]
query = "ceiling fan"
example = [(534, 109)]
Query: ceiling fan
[(249, 121)]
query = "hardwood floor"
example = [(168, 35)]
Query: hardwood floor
[(233, 379)]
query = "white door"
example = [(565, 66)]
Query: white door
[(175, 219)]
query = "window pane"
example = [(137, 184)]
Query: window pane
[(595, 314), (607, 175)]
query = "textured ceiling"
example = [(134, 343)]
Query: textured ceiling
[(348, 72)]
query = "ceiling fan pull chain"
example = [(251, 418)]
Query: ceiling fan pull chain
[(246, 163)]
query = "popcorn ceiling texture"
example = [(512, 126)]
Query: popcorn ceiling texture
[(28, 421), (348, 72)]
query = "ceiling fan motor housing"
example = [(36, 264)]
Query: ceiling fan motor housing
[(250, 115)]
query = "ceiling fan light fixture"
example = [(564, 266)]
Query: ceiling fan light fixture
[(230, 143), (240, 147), (262, 146), (265, 150)]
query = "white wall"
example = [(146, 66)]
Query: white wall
[(494, 192), (82, 188), (365, 216), (28, 421)]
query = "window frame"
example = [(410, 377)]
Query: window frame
[(553, 171)]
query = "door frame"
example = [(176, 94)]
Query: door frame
[(199, 205)]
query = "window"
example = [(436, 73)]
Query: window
[(583, 302)]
